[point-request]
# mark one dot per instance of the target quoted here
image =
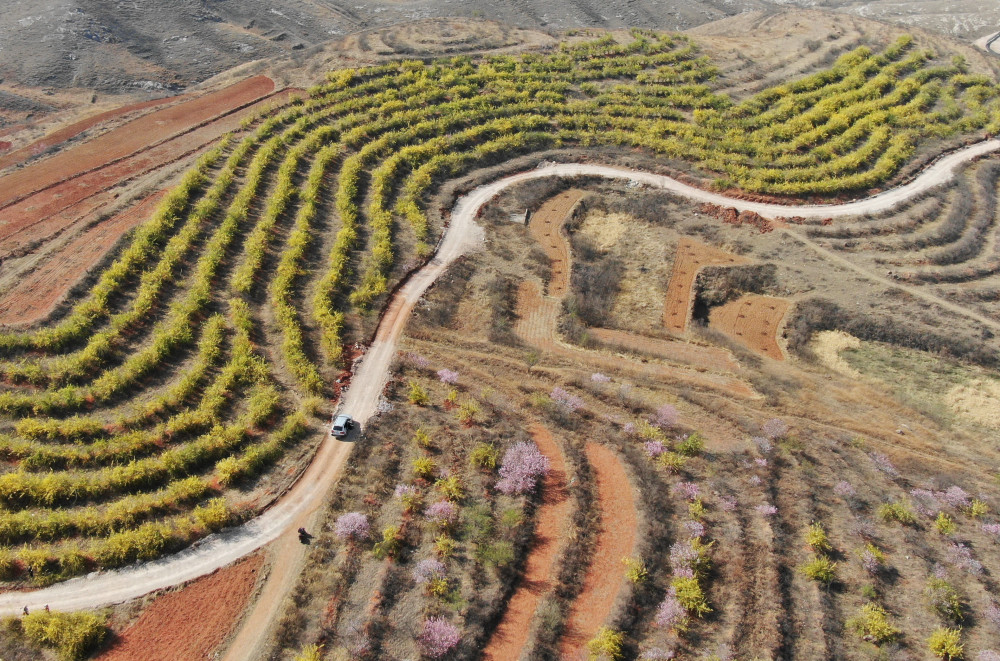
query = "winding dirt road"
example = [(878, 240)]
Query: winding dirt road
[(301, 505)]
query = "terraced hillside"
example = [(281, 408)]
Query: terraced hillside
[(175, 396)]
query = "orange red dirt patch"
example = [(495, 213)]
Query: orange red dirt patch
[(615, 541), (76, 128), (545, 226), (753, 320), (35, 296), (511, 635), (190, 623), (130, 138), (42, 215), (691, 256)]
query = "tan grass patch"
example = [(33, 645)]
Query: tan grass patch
[(827, 346), (978, 400)]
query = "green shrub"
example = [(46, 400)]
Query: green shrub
[(691, 595), (485, 456), (872, 624), (451, 487), (821, 569), (692, 446), (897, 512), (818, 540), (635, 570), (606, 644), (424, 467), (310, 653), (944, 600), (72, 635), (418, 394), (946, 643), (944, 524), (390, 544)]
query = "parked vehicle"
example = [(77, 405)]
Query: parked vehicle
[(341, 425)]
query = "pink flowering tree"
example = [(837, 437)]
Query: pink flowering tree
[(665, 417), (428, 570), (670, 612), (439, 636), (774, 429), (352, 526), (442, 513), (566, 401), (448, 376), (522, 465)]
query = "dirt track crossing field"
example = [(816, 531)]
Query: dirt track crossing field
[(691, 256), (685, 353), (511, 634), (753, 320), (615, 541), (35, 296)]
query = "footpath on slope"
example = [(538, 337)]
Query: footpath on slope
[(511, 635), (110, 587)]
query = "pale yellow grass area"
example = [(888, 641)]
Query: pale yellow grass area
[(978, 400), (639, 246), (827, 346)]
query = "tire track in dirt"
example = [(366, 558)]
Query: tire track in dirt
[(511, 635), (131, 138), (753, 320), (36, 296), (615, 541), (690, 258)]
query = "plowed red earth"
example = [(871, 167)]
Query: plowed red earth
[(76, 128), (545, 227), (753, 320), (130, 138), (691, 257), (510, 636), (36, 296), (615, 541), (43, 215), (190, 623)]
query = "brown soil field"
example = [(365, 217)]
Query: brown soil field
[(709, 358), (133, 137), (615, 541), (753, 320), (691, 256), (545, 226), (511, 635), (190, 623), (47, 213), (538, 317), (35, 296), (60, 136)]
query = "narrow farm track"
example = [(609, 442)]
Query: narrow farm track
[(615, 541), (511, 635), (545, 227), (303, 501), (675, 351)]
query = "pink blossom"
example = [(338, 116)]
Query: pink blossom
[(992, 615), (448, 376), (883, 464), (417, 360), (670, 612), (766, 509), (755, 480), (955, 496), (657, 653), (443, 512), (988, 655), (728, 503), (566, 400), (682, 556), (428, 570), (960, 556), (522, 465), (687, 490), (629, 428), (353, 525), (763, 444), (870, 562), (665, 417), (654, 448), (992, 529), (438, 637), (925, 502), (760, 461), (774, 428), (844, 489), (597, 377), (695, 529)]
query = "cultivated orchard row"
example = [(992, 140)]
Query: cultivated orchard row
[(132, 424)]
